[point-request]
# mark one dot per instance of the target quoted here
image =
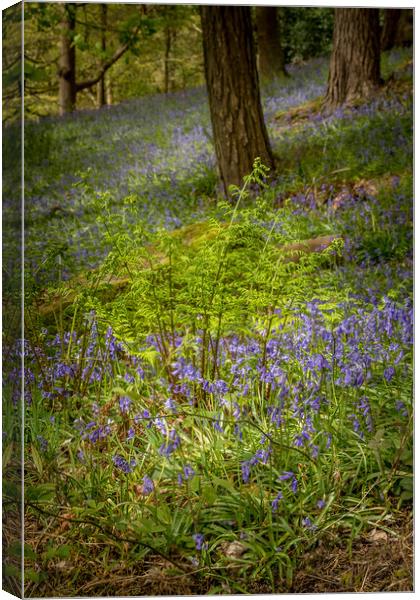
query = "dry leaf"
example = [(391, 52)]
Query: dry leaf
[(377, 536), (64, 525), (233, 549)]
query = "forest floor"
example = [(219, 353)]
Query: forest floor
[(202, 415)]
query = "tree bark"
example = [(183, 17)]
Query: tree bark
[(270, 51), (390, 28), (100, 88), (355, 61), (404, 35), (68, 86), (239, 130), (168, 46), (67, 61)]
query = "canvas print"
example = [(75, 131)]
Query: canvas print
[(207, 299)]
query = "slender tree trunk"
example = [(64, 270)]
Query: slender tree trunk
[(404, 35), (270, 51), (355, 60), (100, 88), (239, 130), (168, 43), (390, 27), (68, 86), (67, 61), (108, 90)]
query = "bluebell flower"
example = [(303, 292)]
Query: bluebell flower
[(200, 544), (148, 485), (42, 443), (286, 475), (167, 448), (306, 522), (389, 373), (188, 472), (129, 378), (237, 432), (275, 502), (122, 464), (125, 404), (246, 471), (171, 405)]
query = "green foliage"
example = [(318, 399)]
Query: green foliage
[(306, 32)]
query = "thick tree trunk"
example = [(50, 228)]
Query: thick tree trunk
[(67, 61), (100, 88), (270, 51), (355, 60), (390, 28), (239, 130)]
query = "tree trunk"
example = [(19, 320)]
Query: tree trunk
[(390, 28), (404, 35), (239, 130), (355, 60), (67, 61), (100, 88), (270, 51), (108, 91), (168, 43)]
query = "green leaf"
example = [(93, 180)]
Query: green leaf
[(44, 492), (36, 457), (34, 576), (164, 514), (7, 454), (407, 484), (224, 483), (59, 552), (209, 494), (195, 484), (12, 571), (151, 526)]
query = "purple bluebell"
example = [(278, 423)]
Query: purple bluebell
[(122, 464), (170, 404), (389, 373), (167, 448), (307, 523), (148, 485), (188, 472), (125, 404), (42, 443), (200, 544), (275, 502)]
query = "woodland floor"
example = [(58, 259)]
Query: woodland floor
[(376, 562)]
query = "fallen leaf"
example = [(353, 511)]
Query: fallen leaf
[(377, 536), (233, 549)]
